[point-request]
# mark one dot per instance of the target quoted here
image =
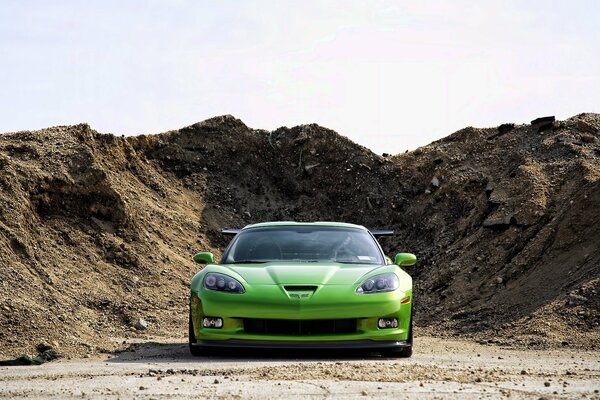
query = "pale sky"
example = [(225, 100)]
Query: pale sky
[(390, 75)]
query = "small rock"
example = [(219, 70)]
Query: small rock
[(588, 139), (547, 384), (44, 346), (523, 372), (499, 221), (576, 300), (435, 182), (543, 123), (505, 128), (489, 188), (216, 382), (585, 127), (499, 280), (141, 324)]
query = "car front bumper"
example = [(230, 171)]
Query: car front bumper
[(325, 304)]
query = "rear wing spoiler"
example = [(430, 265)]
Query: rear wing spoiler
[(378, 233), (375, 232)]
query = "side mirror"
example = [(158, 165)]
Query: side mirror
[(405, 259), (204, 257)]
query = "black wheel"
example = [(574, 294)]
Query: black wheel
[(196, 351), (404, 352)]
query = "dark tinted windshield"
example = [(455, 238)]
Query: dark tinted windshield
[(304, 243)]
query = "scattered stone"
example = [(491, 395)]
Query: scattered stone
[(586, 127), (141, 324), (498, 221), (547, 384), (505, 128), (41, 347), (588, 139), (435, 182), (543, 123), (489, 188), (576, 300)]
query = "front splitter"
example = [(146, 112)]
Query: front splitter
[(280, 344)]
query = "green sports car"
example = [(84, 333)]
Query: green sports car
[(291, 285)]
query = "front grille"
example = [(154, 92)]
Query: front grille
[(299, 327)]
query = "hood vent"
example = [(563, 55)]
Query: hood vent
[(300, 288)]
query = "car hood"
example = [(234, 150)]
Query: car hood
[(302, 273)]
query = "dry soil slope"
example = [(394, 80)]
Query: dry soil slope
[(96, 231)]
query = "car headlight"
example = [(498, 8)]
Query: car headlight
[(379, 283), (222, 283)]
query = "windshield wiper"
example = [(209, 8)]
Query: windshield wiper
[(355, 262), (248, 262)]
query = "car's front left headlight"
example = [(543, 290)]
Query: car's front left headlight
[(222, 283), (379, 283)]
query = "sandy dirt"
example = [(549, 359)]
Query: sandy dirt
[(439, 369)]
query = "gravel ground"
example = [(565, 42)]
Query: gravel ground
[(439, 368)]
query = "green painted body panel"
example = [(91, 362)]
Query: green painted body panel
[(335, 297)]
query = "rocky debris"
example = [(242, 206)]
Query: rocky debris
[(543, 123), (586, 127), (46, 352), (505, 128), (498, 221), (101, 229), (141, 324), (576, 300)]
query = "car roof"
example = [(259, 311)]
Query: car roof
[(294, 223)]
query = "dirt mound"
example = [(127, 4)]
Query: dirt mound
[(97, 231)]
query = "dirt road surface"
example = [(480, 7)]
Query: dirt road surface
[(439, 368)]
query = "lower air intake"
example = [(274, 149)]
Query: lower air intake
[(299, 327)]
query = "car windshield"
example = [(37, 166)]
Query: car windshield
[(304, 243)]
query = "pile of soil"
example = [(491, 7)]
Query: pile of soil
[(97, 231)]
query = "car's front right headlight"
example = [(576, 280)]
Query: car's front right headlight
[(222, 283), (379, 283)]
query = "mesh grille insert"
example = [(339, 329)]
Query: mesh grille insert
[(299, 327)]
